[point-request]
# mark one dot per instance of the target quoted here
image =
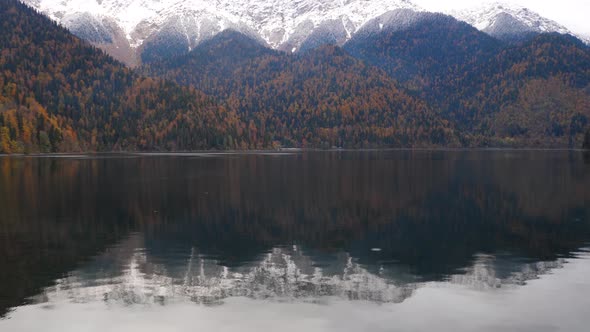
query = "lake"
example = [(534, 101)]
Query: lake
[(296, 241)]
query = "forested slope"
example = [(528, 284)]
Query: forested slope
[(60, 94)]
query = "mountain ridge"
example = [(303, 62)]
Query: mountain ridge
[(58, 93), (136, 31), (428, 81), (508, 22), (283, 25)]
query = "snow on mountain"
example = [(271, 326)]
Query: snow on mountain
[(286, 23), (281, 24), (152, 29), (508, 21), (396, 20)]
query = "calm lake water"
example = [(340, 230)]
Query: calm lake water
[(314, 241)]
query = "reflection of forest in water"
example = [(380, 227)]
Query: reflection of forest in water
[(434, 215)]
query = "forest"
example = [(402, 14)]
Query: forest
[(440, 84), (60, 94)]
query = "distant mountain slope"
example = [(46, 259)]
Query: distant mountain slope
[(324, 97), (59, 94), (478, 83), (155, 29), (535, 93), (405, 79), (464, 85), (211, 67), (136, 31), (509, 22), (420, 47)]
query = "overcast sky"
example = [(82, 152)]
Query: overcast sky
[(574, 14)]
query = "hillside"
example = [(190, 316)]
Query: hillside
[(483, 86), (144, 31), (60, 94), (464, 87), (320, 98), (405, 79)]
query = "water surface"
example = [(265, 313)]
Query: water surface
[(313, 241)]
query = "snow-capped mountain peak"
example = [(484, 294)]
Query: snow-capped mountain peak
[(282, 24), (508, 21), (152, 29)]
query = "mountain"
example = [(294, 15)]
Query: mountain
[(419, 46), (215, 65), (61, 94), (57, 93), (144, 31), (320, 98), (405, 79), (457, 83), (509, 22), (537, 91), (152, 29), (480, 84)]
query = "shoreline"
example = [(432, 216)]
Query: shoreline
[(286, 151)]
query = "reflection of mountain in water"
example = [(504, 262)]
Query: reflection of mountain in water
[(490, 271), (281, 274), (436, 216), (127, 275)]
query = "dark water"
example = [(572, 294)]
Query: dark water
[(318, 241)]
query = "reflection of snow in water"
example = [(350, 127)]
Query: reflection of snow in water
[(490, 271), (278, 276), (284, 274), (558, 301)]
